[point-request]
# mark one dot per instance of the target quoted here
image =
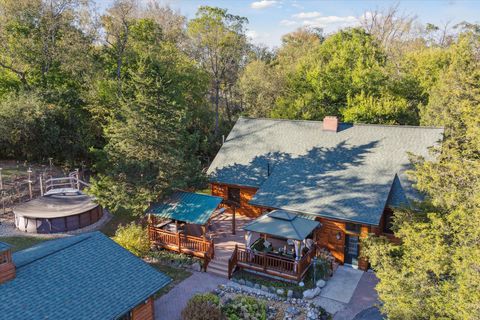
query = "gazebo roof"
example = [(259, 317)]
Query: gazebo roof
[(283, 224), (188, 207)]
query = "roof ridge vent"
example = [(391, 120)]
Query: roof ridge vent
[(330, 123)]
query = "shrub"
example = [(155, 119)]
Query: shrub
[(203, 307), (134, 238), (174, 258), (244, 308)]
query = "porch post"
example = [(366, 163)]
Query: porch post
[(298, 246), (204, 231), (178, 241), (233, 221)]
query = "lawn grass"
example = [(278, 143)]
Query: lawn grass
[(177, 275), (20, 243)]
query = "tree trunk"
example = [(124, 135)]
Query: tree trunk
[(119, 73), (217, 93)]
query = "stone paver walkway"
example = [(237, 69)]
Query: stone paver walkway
[(364, 297), (342, 285), (170, 305), (349, 292)]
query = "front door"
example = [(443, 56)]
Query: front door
[(351, 250)]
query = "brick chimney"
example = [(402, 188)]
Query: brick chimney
[(7, 268), (330, 124)]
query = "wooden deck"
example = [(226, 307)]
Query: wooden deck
[(271, 264), (182, 243)]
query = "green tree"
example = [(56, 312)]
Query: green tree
[(434, 272), (386, 109), (220, 45), (265, 79), (345, 64), (153, 140), (46, 50)]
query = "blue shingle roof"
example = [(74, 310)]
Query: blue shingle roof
[(188, 207), (299, 167), (4, 246), (83, 277)]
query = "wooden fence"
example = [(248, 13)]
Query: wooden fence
[(182, 243)]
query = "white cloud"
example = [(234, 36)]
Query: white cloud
[(327, 21), (263, 4), (307, 15), (295, 4), (258, 37), (288, 23), (252, 34)]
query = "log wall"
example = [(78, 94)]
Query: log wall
[(246, 194), (325, 237), (7, 268), (144, 311)]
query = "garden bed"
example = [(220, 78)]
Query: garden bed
[(235, 303)]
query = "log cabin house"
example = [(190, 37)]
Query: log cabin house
[(347, 177), (81, 277)]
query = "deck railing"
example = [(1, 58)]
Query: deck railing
[(271, 264), (182, 243)]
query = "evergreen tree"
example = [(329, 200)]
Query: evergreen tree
[(150, 148), (434, 272)]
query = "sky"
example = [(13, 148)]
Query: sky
[(270, 19)]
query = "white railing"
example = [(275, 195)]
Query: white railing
[(72, 182)]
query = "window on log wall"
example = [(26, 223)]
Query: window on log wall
[(234, 195)]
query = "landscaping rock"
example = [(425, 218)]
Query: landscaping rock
[(241, 281), (273, 289), (289, 293), (280, 292), (265, 288), (301, 284), (311, 293), (321, 283), (249, 284), (312, 315), (292, 311), (257, 286)]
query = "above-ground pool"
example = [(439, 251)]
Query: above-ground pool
[(59, 212)]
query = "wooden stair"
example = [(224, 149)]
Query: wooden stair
[(218, 267)]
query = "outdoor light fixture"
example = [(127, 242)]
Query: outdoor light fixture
[(339, 235)]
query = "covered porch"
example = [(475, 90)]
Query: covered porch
[(180, 224), (279, 243)]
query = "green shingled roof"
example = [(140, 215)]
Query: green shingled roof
[(82, 277), (188, 207), (345, 175), (283, 224)]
